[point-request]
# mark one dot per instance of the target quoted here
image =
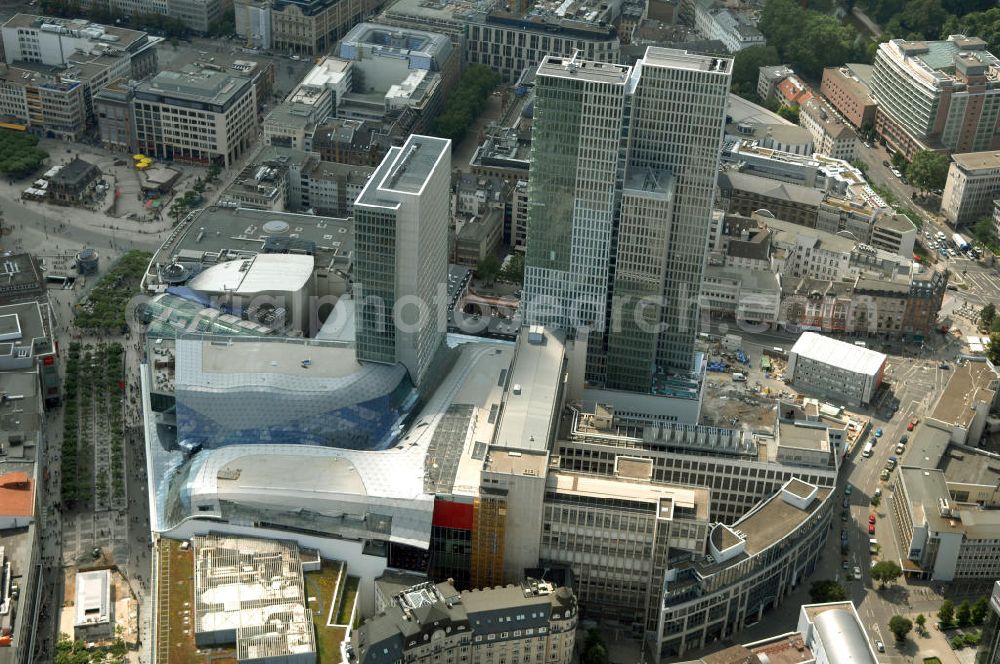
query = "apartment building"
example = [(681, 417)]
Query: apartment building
[(533, 622), (301, 27), (196, 115), (736, 30), (937, 95), (846, 89), (768, 80), (834, 369), (972, 186), (44, 103), (833, 137)]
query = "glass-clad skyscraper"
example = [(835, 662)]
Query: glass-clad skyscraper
[(623, 169)]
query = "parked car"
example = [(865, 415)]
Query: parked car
[(848, 489), (943, 365), (847, 503), (871, 518), (871, 528), (878, 492), (879, 646), (900, 448), (912, 423), (904, 439), (844, 515), (857, 572), (845, 565), (884, 475), (878, 433)]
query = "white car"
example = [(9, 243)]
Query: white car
[(857, 572), (879, 646)]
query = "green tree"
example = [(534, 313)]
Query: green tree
[(826, 591), (899, 161), (928, 170), (886, 571), (982, 230), (946, 614), (900, 627), (746, 69), (980, 610), (921, 621), (987, 314), (780, 22), (790, 112), (963, 615), (488, 269), (919, 19), (513, 271), (465, 102), (983, 24), (19, 154), (594, 650)]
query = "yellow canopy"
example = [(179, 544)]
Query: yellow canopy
[(138, 157)]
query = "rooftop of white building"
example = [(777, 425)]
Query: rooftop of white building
[(838, 353)]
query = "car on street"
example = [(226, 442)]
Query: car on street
[(900, 448), (871, 518), (879, 646), (878, 492), (843, 533), (884, 475), (847, 503), (910, 425), (944, 365), (904, 439), (844, 564), (857, 572), (878, 433), (848, 489), (871, 528), (844, 515)]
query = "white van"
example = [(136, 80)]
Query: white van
[(739, 378), (867, 451)]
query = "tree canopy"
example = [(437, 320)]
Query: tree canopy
[(935, 19), (946, 614), (808, 40), (886, 571), (900, 627), (929, 170), (987, 314), (826, 591), (746, 68), (465, 102), (19, 154)]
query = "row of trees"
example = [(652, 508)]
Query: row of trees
[(465, 102), (965, 614), (490, 269), (20, 155), (106, 304)]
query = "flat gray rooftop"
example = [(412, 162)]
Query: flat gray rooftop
[(584, 70), (774, 520), (967, 467), (216, 229), (404, 170), (192, 83), (530, 411)]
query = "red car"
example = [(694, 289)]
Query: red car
[(871, 518), (871, 528), (909, 427)]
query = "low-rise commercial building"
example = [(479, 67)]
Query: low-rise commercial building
[(833, 369), (43, 102), (533, 623), (972, 186), (73, 184), (741, 294), (848, 92)]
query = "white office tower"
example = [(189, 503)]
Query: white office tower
[(401, 256), (623, 170)]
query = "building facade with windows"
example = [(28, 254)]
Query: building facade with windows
[(401, 255), (632, 148), (532, 623), (972, 186), (195, 115), (937, 95)]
